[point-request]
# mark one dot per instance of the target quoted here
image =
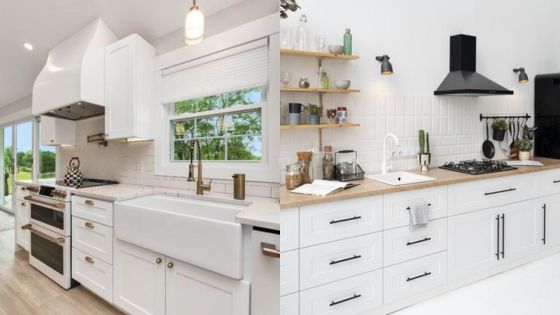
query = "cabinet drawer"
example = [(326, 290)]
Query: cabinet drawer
[(93, 273), (289, 304), (396, 206), (414, 277), (21, 192), (489, 193), (289, 229), (337, 220), (346, 297), (548, 182), (289, 272), (98, 211), (93, 238), (402, 244), (337, 260)]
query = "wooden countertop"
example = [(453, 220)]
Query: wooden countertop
[(369, 187)]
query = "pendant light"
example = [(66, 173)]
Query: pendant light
[(194, 25)]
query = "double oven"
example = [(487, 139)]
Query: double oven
[(50, 229)]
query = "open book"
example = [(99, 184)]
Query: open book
[(322, 188)]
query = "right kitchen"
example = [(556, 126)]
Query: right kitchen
[(420, 150)]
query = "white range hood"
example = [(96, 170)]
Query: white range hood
[(71, 85)]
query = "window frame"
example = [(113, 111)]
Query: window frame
[(265, 170)]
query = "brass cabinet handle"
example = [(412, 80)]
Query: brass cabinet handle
[(270, 250), (57, 240), (89, 225), (89, 202), (158, 260), (48, 204), (170, 265), (89, 259)]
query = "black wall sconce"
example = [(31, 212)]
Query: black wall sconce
[(523, 78), (386, 66)]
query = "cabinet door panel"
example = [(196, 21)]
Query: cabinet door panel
[(472, 243), (139, 280), (522, 229), (23, 213), (265, 283), (551, 234), (192, 290)]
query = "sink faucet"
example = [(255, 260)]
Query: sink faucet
[(200, 186), (384, 164)]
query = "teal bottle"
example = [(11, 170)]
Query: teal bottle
[(347, 42)]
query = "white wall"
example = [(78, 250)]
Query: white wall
[(415, 34), (17, 110)]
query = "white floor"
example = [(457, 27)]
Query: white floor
[(533, 289)]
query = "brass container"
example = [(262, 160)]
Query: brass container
[(239, 186)]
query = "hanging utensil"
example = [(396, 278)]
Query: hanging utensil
[(488, 148)]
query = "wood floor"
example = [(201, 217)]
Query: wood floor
[(24, 290)]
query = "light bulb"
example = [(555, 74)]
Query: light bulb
[(194, 26)]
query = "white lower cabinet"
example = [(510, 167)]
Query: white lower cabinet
[(23, 217), (265, 278), (139, 279), (414, 277), (148, 283), (289, 304), (350, 296), (551, 220), (289, 272), (93, 273), (521, 233)]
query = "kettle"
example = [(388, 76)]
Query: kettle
[(73, 176)]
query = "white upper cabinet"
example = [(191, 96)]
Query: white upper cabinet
[(129, 89), (56, 131)]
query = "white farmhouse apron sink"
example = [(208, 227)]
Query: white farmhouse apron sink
[(193, 230)]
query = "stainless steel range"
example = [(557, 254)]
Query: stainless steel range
[(477, 167), (50, 228)]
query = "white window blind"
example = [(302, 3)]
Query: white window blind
[(236, 68)]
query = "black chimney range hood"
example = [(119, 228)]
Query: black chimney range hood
[(463, 80)]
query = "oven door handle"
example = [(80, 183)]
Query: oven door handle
[(57, 240), (57, 206)]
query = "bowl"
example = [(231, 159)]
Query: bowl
[(342, 84), (336, 49)]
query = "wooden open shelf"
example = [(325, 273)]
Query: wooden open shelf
[(316, 54), (320, 126), (318, 90)]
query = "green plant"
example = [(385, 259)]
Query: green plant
[(421, 140), (314, 109), (524, 145), (500, 124)]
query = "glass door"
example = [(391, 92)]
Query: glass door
[(24, 151), (8, 167)]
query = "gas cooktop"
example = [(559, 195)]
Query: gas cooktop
[(477, 167), (88, 182)]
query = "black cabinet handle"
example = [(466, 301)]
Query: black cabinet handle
[(419, 241), (345, 220), (544, 224), (503, 235), (498, 237), (355, 296), (499, 191), (556, 181), (425, 274), (334, 262)]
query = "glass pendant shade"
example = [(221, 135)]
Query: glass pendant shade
[(194, 26)]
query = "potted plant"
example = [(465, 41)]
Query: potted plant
[(525, 146), (314, 112), (499, 128)]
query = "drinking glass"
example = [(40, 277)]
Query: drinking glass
[(321, 43), (285, 77), (287, 40)]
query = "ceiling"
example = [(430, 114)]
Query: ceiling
[(45, 23)]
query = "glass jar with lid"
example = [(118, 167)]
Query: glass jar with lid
[(293, 177)]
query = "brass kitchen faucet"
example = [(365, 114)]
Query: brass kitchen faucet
[(200, 186)]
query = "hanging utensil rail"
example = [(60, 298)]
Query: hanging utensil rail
[(526, 116)]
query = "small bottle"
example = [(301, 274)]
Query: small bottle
[(301, 36), (347, 43), (328, 163), (325, 82)]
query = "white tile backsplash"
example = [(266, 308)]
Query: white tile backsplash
[(133, 163), (456, 133)]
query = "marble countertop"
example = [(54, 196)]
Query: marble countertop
[(369, 187), (262, 212)]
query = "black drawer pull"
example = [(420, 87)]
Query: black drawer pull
[(345, 220), (425, 274), (499, 191), (556, 181), (419, 241), (334, 262), (333, 303)]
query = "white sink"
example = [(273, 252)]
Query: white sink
[(198, 231), (400, 178)]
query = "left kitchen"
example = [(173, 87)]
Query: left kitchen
[(140, 161)]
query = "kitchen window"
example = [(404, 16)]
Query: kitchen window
[(223, 93), (227, 125)]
